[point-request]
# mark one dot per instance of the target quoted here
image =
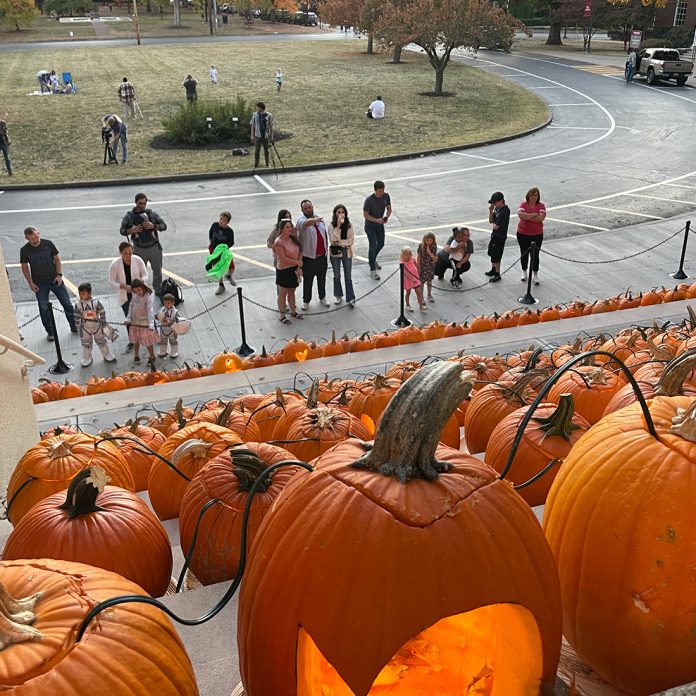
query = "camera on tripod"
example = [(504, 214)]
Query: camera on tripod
[(109, 154), (106, 134)]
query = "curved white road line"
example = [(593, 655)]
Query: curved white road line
[(356, 184)]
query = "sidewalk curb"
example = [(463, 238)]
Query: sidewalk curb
[(300, 168)]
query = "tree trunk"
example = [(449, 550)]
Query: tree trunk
[(177, 14), (554, 34), (369, 42), (397, 54), (148, 6), (439, 80)]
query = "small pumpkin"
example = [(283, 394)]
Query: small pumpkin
[(293, 348), (333, 347), (104, 526), (226, 362), (262, 359)]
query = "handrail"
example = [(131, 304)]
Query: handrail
[(34, 360)]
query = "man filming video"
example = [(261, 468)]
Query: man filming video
[(261, 132), (119, 131)]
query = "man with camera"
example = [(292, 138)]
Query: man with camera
[(142, 225), (119, 131), (261, 132)]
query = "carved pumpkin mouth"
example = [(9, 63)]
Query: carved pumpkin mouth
[(493, 650)]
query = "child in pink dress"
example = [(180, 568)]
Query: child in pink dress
[(141, 321), (411, 278)]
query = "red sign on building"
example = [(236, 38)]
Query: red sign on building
[(587, 9)]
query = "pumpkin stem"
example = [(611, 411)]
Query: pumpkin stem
[(247, 466), (684, 423), (224, 415), (195, 447), (405, 442), (59, 449), (15, 617), (179, 412), (81, 497), (692, 315), (560, 422), (313, 395), (658, 352), (671, 382)]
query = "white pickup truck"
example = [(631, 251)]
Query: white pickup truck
[(663, 64)]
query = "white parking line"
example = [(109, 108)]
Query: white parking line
[(72, 287), (178, 278), (657, 198), (580, 104), (627, 212), (578, 224), (253, 262), (466, 154), (267, 186), (686, 186)]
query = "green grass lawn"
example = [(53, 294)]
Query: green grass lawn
[(321, 109)]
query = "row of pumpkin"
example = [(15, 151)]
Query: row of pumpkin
[(216, 451), (299, 350)]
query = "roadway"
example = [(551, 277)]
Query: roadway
[(614, 155)]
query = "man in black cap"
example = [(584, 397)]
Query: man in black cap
[(499, 217)]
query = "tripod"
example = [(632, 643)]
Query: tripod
[(136, 109), (109, 152), (275, 149)]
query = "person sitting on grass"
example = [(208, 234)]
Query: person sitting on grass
[(376, 109)]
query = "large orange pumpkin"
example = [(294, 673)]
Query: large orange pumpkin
[(271, 408), (130, 649), (103, 526), (49, 466), (620, 521), (189, 450), (228, 478), (372, 397), (549, 435), (400, 571)]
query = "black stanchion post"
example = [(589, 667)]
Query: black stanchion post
[(529, 298), (245, 349), (401, 320), (61, 367), (680, 275)]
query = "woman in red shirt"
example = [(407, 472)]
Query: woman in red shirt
[(531, 214)]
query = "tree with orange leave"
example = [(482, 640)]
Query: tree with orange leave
[(362, 15), (440, 26)]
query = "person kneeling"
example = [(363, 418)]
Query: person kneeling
[(459, 250)]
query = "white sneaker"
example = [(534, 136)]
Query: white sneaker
[(524, 278), (174, 354), (162, 355), (305, 306), (110, 358), (86, 362), (409, 308), (374, 275), (230, 277), (324, 302), (338, 300)]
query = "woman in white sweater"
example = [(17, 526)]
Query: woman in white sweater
[(122, 272)]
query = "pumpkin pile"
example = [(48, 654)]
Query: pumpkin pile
[(601, 430), (298, 350)]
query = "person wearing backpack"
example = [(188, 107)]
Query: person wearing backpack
[(143, 225)]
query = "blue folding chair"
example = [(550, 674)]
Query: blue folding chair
[(67, 77)]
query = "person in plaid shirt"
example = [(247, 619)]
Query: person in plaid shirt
[(126, 95)]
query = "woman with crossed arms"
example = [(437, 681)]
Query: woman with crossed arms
[(530, 228)]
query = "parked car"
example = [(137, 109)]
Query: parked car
[(663, 64), (307, 18)]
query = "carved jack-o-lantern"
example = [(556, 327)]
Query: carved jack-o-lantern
[(411, 569)]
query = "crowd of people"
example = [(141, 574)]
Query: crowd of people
[(302, 252)]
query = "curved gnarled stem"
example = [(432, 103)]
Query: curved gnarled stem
[(16, 615), (405, 441), (81, 497)]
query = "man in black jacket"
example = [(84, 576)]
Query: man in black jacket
[(499, 217), (142, 225)]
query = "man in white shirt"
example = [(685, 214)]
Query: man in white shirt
[(376, 109)]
